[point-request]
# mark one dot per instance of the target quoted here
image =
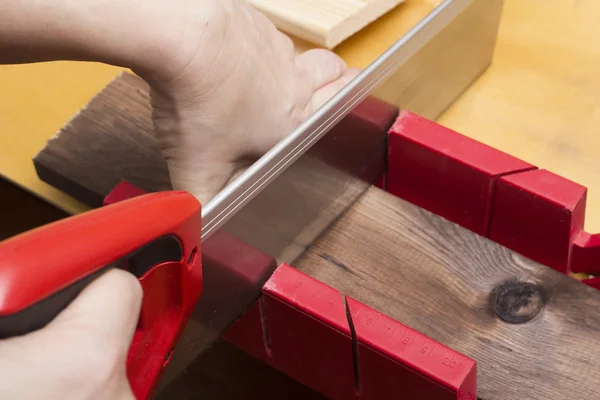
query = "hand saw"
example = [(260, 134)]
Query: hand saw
[(155, 237), (277, 208)]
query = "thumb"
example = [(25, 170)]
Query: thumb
[(81, 353), (323, 94), (108, 307), (320, 67)]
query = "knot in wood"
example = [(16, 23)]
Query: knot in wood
[(517, 302)]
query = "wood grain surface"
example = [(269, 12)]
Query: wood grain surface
[(68, 158), (440, 279), (323, 23)]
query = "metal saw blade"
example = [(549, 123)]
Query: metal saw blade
[(272, 212)]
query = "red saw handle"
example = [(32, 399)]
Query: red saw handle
[(155, 236)]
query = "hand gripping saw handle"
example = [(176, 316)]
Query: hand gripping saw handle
[(155, 236)]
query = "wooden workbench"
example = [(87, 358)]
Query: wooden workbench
[(540, 100)]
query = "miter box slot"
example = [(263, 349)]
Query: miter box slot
[(355, 347), (345, 349)]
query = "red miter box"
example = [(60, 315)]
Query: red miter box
[(539, 214), (532, 211)]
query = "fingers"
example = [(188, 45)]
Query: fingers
[(322, 95), (204, 180), (320, 67), (108, 308), (81, 354)]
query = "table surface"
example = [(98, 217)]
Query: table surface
[(540, 99)]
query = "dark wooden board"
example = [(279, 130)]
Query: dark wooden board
[(440, 279), (123, 145), (415, 267)]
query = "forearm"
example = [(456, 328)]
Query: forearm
[(118, 32)]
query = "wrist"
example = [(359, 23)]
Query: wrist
[(154, 39), (125, 33), (135, 34)]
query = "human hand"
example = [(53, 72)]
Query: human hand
[(231, 89), (81, 354), (226, 84)]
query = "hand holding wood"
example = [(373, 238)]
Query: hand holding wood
[(234, 89)]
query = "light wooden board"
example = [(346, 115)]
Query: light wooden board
[(323, 23)]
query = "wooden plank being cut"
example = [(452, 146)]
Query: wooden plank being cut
[(459, 288), (323, 23), (534, 332)]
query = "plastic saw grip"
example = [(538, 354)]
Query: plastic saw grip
[(155, 236)]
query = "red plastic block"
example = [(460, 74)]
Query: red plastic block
[(235, 259), (538, 214), (123, 191), (585, 253), (376, 112), (363, 131), (308, 332), (445, 172), (594, 282), (247, 334), (398, 362), (243, 265)]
